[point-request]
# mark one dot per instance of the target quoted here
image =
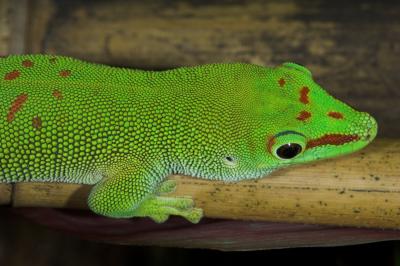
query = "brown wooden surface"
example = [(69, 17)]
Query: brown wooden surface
[(5, 194), (361, 190), (4, 27)]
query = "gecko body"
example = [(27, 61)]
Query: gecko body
[(125, 131)]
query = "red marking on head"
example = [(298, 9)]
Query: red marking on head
[(37, 122), (304, 95), (332, 139), (336, 115), (57, 94), (281, 82), (16, 105), (53, 60), (303, 116), (271, 142), (65, 73), (12, 75), (27, 63)]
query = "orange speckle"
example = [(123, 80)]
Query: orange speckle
[(331, 139), (57, 94), (27, 63), (281, 82), (270, 143), (304, 95), (65, 73), (12, 75), (37, 122), (16, 105), (336, 115), (303, 116)]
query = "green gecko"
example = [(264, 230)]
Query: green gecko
[(125, 130)]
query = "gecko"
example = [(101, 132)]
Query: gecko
[(125, 130)]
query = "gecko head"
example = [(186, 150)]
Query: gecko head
[(304, 123)]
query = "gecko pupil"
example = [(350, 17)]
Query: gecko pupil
[(289, 150)]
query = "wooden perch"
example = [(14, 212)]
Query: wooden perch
[(360, 190)]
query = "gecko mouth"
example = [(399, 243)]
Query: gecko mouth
[(326, 146), (364, 137), (331, 139)]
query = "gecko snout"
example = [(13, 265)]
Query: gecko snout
[(368, 127), (372, 129)]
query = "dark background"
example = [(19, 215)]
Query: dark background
[(25, 243), (352, 48)]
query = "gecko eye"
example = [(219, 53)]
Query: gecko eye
[(287, 145), (289, 150)]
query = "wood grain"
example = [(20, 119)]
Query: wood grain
[(4, 27), (360, 190), (5, 194)]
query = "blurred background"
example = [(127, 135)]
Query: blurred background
[(352, 48)]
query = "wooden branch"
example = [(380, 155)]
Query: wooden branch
[(5, 194), (5, 31), (360, 190), (17, 17)]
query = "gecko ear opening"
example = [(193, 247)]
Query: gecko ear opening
[(230, 160), (287, 145), (298, 67)]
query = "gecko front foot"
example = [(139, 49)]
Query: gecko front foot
[(124, 197), (160, 208)]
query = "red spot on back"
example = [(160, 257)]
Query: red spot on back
[(65, 73), (27, 63), (303, 116), (16, 105), (332, 139), (12, 75), (304, 95), (37, 122), (281, 82), (336, 115), (57, 94)]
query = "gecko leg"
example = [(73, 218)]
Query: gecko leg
[(132, 192), (159, 208), (168, 186)]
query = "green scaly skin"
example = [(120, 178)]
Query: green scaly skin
[(64, 120)]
